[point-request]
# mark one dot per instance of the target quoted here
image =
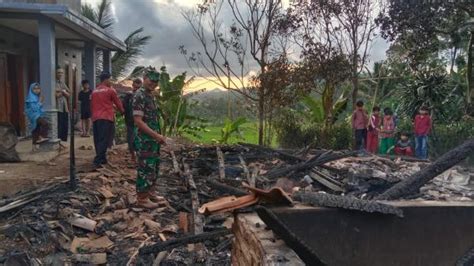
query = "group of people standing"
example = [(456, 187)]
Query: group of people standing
[(377, 133), (98, 106)]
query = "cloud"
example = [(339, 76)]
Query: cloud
[(163, 20), (378, 50)]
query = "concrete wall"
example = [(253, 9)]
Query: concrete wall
[(69, 58), (17, 43), (72, 4)]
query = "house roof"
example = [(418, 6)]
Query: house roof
[(69, 18)]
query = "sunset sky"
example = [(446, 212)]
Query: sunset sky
[(163, 20)]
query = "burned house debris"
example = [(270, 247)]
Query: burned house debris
[(250, 205)]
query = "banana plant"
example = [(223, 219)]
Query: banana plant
[(174, 106), (231, 127), (325, 110), (313, 109)]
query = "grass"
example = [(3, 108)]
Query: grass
[(249, 134)]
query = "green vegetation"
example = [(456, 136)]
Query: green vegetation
[(231, 128), (212, 134), (307, 101)]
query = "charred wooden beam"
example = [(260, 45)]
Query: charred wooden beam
[(326, 180), (413, 183), (315, 161), (344, 202), (281, 154), (196, 217), (224, 244), (226, 188), (189, 239)]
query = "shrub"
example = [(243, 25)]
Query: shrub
[(294, 131), (448, 136)]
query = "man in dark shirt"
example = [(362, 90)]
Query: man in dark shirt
[(127, 105), (85, 99)]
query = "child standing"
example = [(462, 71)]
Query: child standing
[(34, 112), (373, 131), (359, 124), (387, 132), (85, 99), (403, 146), (422, 127)]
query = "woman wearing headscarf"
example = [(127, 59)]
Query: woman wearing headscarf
[(34, 112)]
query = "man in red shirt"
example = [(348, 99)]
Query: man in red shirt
[(422, 127), (103, 100)]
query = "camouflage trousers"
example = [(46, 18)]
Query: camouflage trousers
[(148, 157)]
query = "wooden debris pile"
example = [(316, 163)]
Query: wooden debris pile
[(99, 223)]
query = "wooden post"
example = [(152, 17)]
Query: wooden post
[(220, 159), (250, 179), (197, 219)]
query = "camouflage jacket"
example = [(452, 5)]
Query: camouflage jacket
[(144, 105)]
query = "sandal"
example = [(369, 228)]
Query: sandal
[(41, 140)]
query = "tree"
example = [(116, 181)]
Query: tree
[(345, 25), (227, 51), (427, 28), (134, 42), (282, 87), (324, 66)]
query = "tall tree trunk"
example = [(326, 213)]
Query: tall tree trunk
[(268, 129), (355, 93), (469, 78), (453, 60), (355, 89), (261, 115)]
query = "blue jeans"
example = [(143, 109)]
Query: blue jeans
[(421, 147)]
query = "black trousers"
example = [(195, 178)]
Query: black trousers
[(63, 122), (361, 138), (131, 137), (102, 129), (111, 137)]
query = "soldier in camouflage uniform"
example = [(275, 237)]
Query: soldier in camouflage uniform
[(147, 139)]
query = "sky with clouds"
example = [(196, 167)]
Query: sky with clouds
[(163, 20)]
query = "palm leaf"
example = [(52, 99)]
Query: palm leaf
[(137, 72), (134, 43), (88, 11), (105, 18)]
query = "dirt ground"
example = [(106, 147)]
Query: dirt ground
[(22, 176)]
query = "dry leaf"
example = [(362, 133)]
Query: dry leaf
[(106, 192)]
